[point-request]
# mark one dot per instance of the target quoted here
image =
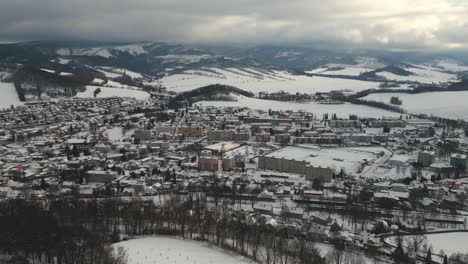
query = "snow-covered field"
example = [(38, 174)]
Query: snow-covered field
[(47, 70), (436, 71), (113, 84), (351, 71), (450, 65), (63, 61), (8, 95), (345, 69), (169, 250), (110, 92), (61, 73), (422, 74), (448, 242), (318, 70), (341, 110), (444, 104), (255, 81), (363, 64), (112, 72)]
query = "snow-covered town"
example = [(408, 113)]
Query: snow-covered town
[(234, 132), (367, 185)]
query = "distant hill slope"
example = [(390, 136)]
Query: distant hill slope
[(33, 82), (459, 86), (24, 54), (395, 70), (391, 69), (151, 58), (148, 63), (159, 58)]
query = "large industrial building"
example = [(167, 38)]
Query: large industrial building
[(296, 166), (282, 163), (318, 163), (227, 135), (426, 158)]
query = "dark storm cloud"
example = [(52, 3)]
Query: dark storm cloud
[(366, 23)]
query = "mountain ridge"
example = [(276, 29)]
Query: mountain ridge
[(149, 62)]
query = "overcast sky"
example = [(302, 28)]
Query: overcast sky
[(392, 24)]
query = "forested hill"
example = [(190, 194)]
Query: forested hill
[(210, 92), (459, 86)]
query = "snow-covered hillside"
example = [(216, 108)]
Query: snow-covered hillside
[(342, 70), (182, 68), (422, 74), (363, 64), (8, 95), (256, 80), (449, 65), (166, 53), (102, 52), (111, 92), (168, 250), (185, 59), (437, 71), (105, 51), (112, 72)]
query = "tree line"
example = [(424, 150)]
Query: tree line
[(72, 230)]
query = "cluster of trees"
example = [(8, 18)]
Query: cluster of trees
[(32, 80), (394, 100), (128, 80), (341, 256), (416, 250), (388, 85), (96, 92), (31, 232), (70, 230), (416, 89), (411, 252), (285, 97), (333, 116), (377, 105), (209, 92)]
